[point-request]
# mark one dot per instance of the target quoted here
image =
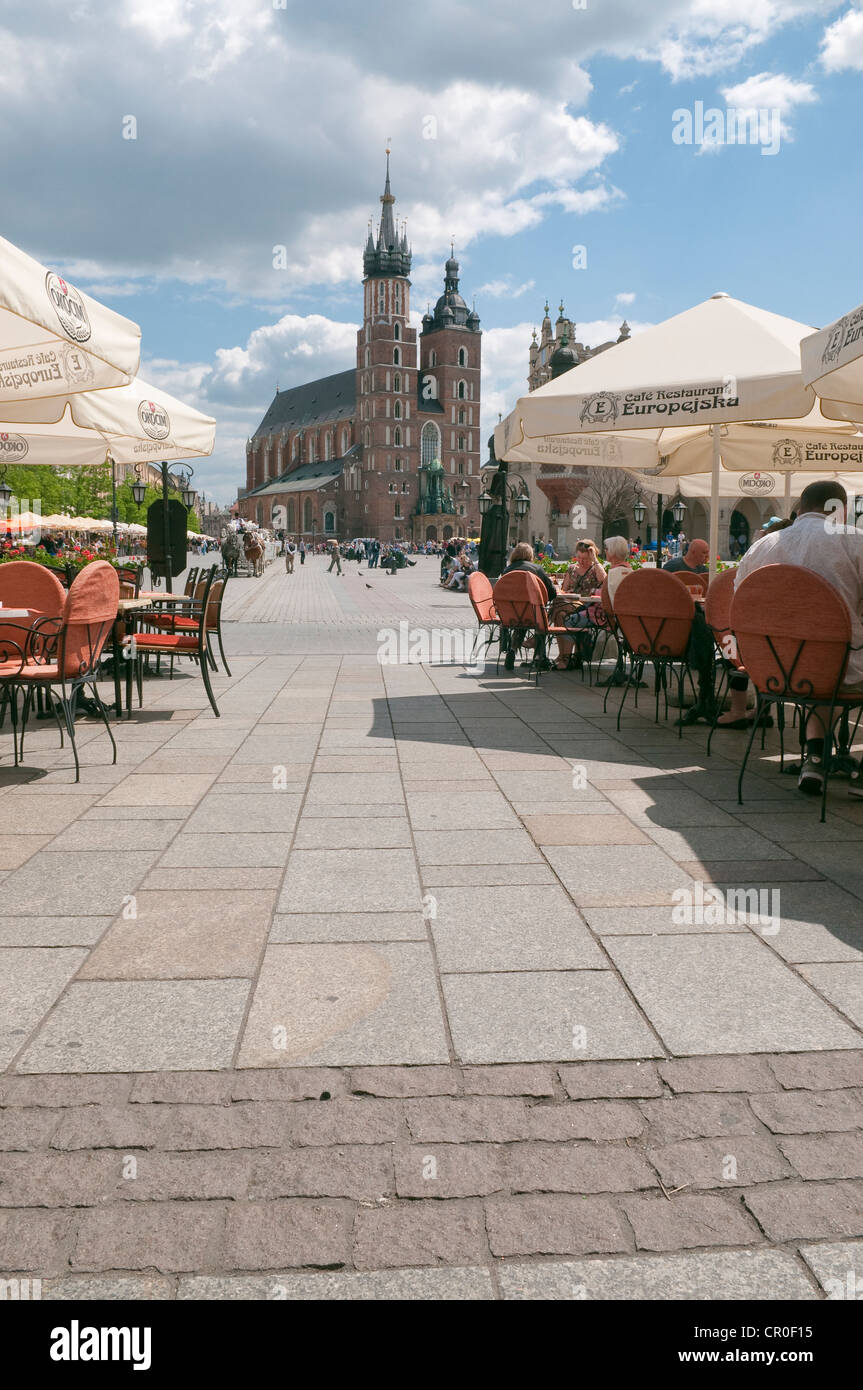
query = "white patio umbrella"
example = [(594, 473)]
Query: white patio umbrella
[(134, 423), (832, 362), (55, 340), (680, 388)]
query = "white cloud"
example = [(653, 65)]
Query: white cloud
[(625, 297), (842, 44), (498, 289), (769, 91)]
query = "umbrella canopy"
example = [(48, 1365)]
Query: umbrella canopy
[(135, 423), (55, 340), (723, 370), (832, 362)]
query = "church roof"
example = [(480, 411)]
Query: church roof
[(313, 403), (307, 477)]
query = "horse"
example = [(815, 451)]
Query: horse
[(231, 553), (254, 552)]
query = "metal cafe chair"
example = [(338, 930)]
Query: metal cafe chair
[(655, 615), (191, 640)]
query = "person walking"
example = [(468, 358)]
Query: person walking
[(290, 553), (335, 558), (302, 552)]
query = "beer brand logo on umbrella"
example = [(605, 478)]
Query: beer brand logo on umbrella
[(602, 409), (787, 455), (834, 343), (13, 447), (757, 482), (69, 307), (155, 420)]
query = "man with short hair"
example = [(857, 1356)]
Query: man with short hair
[(695, 559), (290, 553), (820, 541)]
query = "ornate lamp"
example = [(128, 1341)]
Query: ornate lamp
[(639, 511), (139, 487), (679, 510)]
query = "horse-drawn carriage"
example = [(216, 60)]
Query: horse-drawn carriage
[(243, 553)]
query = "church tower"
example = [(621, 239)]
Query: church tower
[(386, 381)]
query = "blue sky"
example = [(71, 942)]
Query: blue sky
[(261, 124)]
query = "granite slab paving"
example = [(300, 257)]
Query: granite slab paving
[(384, 971)]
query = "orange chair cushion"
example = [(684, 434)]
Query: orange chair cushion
[(165, 642)]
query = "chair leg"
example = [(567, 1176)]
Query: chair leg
[(681, 676), (69, 713), (140, 676), (24, 716), (104, 713), (205, 672), (749, 743), (222, 649), (623, 696)]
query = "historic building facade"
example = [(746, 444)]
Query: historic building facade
[(391, 447)]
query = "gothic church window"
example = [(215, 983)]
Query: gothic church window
[(430, 443)]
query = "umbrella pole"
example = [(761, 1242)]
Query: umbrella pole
[(787, 495), (714, 502)]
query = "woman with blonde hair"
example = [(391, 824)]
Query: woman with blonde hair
[(585, 584)]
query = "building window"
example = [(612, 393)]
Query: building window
[(397, 410), (307, 514), (397, 331), (406, 487), (462, 357), (329, 521), (391, 487), (397, 357), (461, 468), (433, 360), (346, 441), (368, 360), (397, 381), (381, 300), (462, 391), (461, 416), (398, 533), (397, 510), (429, 443), (295, 448), (461, 442), (397, 437), (398, 465), (311, 453), (367, 436)]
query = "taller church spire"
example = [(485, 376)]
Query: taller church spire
[(391, 256)]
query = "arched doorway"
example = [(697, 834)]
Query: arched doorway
[(739, 536), (447, 533), (431, 533), (329, 522)]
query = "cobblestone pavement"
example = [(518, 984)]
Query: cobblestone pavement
[(398, 981)]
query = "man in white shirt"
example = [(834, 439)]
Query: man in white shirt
[(819, 540)]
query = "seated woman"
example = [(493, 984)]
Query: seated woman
[(521, 558), (572, 606)]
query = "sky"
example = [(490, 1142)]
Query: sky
[(164, 154)]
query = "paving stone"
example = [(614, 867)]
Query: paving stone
[(378, 832), (718, 1074), (145, 1025), (116, 1288), (119, 836), (543, 1016), (350, 880), (57, 1091), (181, 1088), (431, 809), (443, 1171), (583, 830), (796, 1210), (33, 979), (52, 931), (285, 1234), (345, 1004), (360, 1171), (707, 996), (87, 1178), (425, 1233), (841, 984), (185, 935), (726, 843), (35, 1241), (15, 850), (22, 1129), (825, 1155), (165, 1236), (240, 849), (741, 1275), (404, 1081), (689, 1220), (384, 1285), (468, 846), (275, 812), (649, 921), (731, 1161), (553, 1225), (452, 1121), (298, 927), (288, 1083), (347, 1120), (808, 1112), (154, 789), (697, 1116), (820, 1071), (594, 1080), (486, 875), (509, 1080), (77, 885), (837, 1267), (589, 1119), (612, 875), (578, 1167)]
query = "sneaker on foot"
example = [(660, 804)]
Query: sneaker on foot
[(811, 778)]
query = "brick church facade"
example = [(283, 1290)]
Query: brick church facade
[(391, 447)]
